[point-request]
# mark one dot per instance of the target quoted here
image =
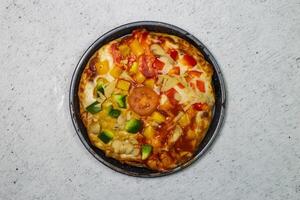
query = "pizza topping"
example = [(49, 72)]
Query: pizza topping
[(158, 117), (120, 99), (136, 48), (133, 125), (124, 50), (174, 54), (146, 67), (143, 100), (134, 68), (149, 132), (102, 67), (200, 85), (189, 60), (146, 151), (123, 85), (139, 77), (198, 106), (174, 71), (157, 64), (94, 107), (116, 71), (114, 113), (106, 136), (194, 74)]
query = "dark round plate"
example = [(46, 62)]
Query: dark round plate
[(218, 83)]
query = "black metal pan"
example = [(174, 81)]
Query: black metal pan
[(218, 84)]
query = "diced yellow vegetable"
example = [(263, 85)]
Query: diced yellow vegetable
[(139, 77), (149, 132), (184, 120), (116, 71), (124, 49), (157, 117), (149, 83), (134, 68), (102, 67), (191, 134), (123, 85), (136, 48)]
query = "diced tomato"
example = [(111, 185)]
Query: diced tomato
[(170, 93), (117, 57), (145, 66), (189, 60), (174, 71), (198, 106), (200, 85), (171, 96), (157, 64), (193, 85), (196, 74), (174, 54), (180, 85)]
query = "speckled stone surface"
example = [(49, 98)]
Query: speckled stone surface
[(257, 154)]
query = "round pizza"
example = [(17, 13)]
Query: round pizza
[(146, 99)]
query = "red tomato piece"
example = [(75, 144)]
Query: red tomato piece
[(189, 60), (174, 54), (171, 96), (200, 85), (198, 106), (157, 64), (196, 74), (145, 66), (180, 85)]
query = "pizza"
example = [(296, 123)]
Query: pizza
[(147, 99)]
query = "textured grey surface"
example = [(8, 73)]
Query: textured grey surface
[(257, 154)]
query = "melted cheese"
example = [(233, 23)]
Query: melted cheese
[(89, 94)]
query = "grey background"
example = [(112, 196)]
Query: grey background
[(257, 154)]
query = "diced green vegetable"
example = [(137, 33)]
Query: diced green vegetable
[(100, 88), (101, 84), (94, 107), (106, 136), (133, 125), (114, 113), (120, 100), (146, 151)]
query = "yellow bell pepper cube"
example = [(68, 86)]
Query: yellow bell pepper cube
[(136, 48), (184, 120), (157, 117), (139, 77), (134, 68), (149, 132), (123, 85), (149, 83), (102, 67), (124, 49), (116, 71)]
